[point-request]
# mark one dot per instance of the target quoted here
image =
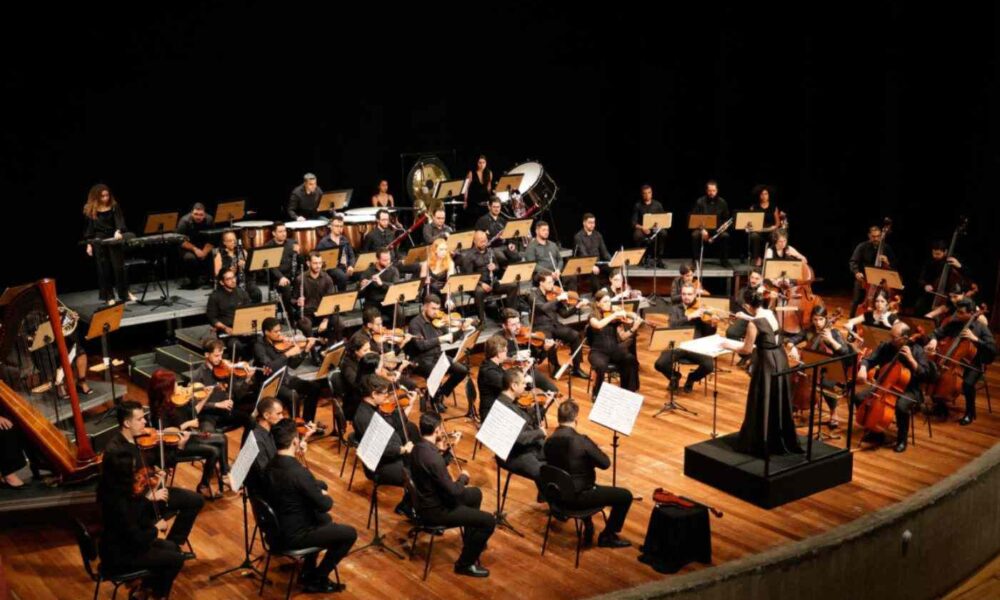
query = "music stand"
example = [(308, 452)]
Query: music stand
[(460, 240), (230, 211), (669, 339), (516, 229), (465, 348), (706, 222), (364, 260), (334, 200), (509, 183), (330, 361), (449, 189), (334, 304), (782, 268), (266, 259), (102, 323), (518, 273), (750, 221), (875, 335), (574, 267), (416, 255), (161, 224), (247, 320), (713, 347), (657, 222), (623, 259), (886, 277), (330, 256), (458, 284)]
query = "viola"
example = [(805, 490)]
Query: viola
[(442, 320), (531, 399), (572, 298), (285, 343), (151, 439), (389, 406), (183, 395), (388, 336), (146, 478)]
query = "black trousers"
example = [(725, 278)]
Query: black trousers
[(213, 449), (457, 373), (110, 262), (335, 539), (705, 364), (758, 241), (340, 281), (195, 268), (187, 505), (526, 463), (599, 496), (722, 242), (480, 296), (479, 525), (11, 451), (213, 420), (163, 558), (542, 381), (628, 366), (568, 336), (657, 244), (392, 473), (969, 380), (305, 393), (242, 344), (309, 324)]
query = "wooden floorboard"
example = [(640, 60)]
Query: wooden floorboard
[(43, 563)]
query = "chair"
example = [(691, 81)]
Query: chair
[(267, 523), (984, 384), (502, 497), (557, 487), (88, 552), (419, 527), (350, 442)]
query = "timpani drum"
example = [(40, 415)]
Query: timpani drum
[(307, 233), (358, 224), (254, 234)]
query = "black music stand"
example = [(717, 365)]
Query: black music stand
[(669, 339), (102, 323), (161, 224), (657, 222)]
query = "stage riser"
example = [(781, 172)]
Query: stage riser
[(747, 482)]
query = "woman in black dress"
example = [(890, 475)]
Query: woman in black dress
[(769, 399), (106, 220), (610, 342), (478, 188), (130, 538)]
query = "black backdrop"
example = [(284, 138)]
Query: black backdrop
[(852, 114)]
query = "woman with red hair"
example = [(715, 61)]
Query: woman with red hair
[(166, 413)]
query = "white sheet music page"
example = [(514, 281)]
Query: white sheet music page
[(500, 430), (710, 346), (375, 440), (244, 460), (437, 374), (616, 409)]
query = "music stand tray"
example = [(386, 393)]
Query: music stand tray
[(265, 258), (509, 183), (658, 220), (468, 344), (889, 276), (662, 337), (406, 291), (336, 303), (160, 223), (230, 211), (335, 200), (460, 240), (364, 260), (781, 268), (516, 229), (449, 189), (110, 316), (330, 256), (330, 361), (629, 258), (248, 320), (749, 220), (416, 255), (518, 273), (579, 265), (702, 221), (457, 284)]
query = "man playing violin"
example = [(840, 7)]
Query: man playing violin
[(548, 314), (489, 380), (425, 349), (224, 409), (912, 357), (274, 351), (737, 330), (131, 425), (526, 457), (686, 278), (687, 314), (977, 332), (511, 331), (443, 501), (378, 403)]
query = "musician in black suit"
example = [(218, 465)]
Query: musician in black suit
[(578, 455), (526, 457), (679, 318), (425, 349), (489, 380), (302, 508), (443, 501)]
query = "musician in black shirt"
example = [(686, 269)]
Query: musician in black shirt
[(643, 236), (196, 251), (589, 242), (930, 276), (132, 424), (221, 310), (711, 204), (526, 457), (547, 320), (425, 349), (302, 507), (436, 227), (375, 282), (304, 200), (267, 355), (913, 358), (381, 236), (105, 220), (311, 287), (864, 256), (758, 238), (977, 332), (680, 319), (578, 455), (489, 380), (511, 327), (492, 222), (482, 259), (343, 271), (442, 501), (269, 413), (280, 276), (223, 409)]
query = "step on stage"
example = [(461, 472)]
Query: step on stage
[(789, 477)]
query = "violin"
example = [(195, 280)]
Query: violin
[(530, 399), (286, 343), (572, 298), (402, 398), (183, 395), (443, 320), (225, 370), (146, 479), (151, 439), (389, 336), (662, 496), (515, 363), (535, 338)]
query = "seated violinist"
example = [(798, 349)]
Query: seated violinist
[(686, 278), (911, 357), (521, 347), (823, 337), (687, 314), (527, 456), (610, 339), (425, 348), (273, 351), (224, 409), (550, 305), (176, 411)]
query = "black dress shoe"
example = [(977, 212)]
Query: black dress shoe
[(900, 447), (472, 570), (688, 387), (588, 534), (612, 541), (966, 420), (406, 511), (188, 555), (322, 587), (577, 372)]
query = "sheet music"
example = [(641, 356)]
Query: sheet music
[(375, 440), (616, 408), (500, 430), (244, 461), (710, 346), (437, 374)]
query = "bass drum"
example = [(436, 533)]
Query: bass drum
[(535, 193)]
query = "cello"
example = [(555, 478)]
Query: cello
[(878, 410), (952, 355)]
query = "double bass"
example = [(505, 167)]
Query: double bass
[(950, 276), (873, 289)]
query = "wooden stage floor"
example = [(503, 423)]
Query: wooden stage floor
[(43, 563)]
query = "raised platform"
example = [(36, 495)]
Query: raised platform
[(791, 476)]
